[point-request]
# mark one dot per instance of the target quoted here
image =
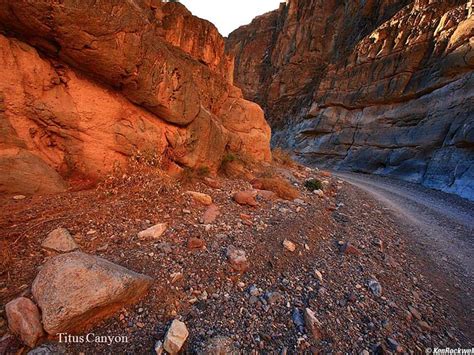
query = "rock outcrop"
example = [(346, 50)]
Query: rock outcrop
[(87, 85), (380, 86)]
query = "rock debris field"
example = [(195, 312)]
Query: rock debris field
[(325, 272)]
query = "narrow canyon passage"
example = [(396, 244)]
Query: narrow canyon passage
[(167, 183)]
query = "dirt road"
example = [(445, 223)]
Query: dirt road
[(439, 224)]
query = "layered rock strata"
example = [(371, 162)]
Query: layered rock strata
[(380, 86)]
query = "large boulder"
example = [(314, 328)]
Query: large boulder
[(21, 169), (247, 120), (77, 290), (246, 198)]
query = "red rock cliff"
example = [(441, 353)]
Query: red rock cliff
[(379, 86), (87, 84)]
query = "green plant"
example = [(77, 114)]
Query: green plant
[(313, 184), (203, 171), (229, 157)]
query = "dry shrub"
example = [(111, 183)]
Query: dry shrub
[(189, 175), (283, 157), (236, 167), (279, 186), (5, 254), (144, 170), (137, 176)]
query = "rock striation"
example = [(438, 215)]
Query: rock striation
[(87, 85), (379, 86)]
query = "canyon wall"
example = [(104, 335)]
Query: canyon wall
[(87, 85), (378, 86)]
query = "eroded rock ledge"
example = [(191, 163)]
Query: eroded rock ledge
[(382, 86), (87, 84)]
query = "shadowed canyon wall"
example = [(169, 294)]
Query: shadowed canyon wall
[(375, 86), (86, 85)]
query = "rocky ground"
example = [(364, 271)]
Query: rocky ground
[(370, 288)]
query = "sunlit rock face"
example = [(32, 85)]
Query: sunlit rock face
[(85, 85), (379, 86)]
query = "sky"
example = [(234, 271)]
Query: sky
[(229, 15)]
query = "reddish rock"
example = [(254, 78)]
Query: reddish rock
[(247, 118), (215, 184), (200, 197), (60, 240), (246, 198), (312, 324), (349, 249), (24, 320), (195, 243), (175, 337), (211, 214), (237, 259), (76, 291), (172, 94)]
